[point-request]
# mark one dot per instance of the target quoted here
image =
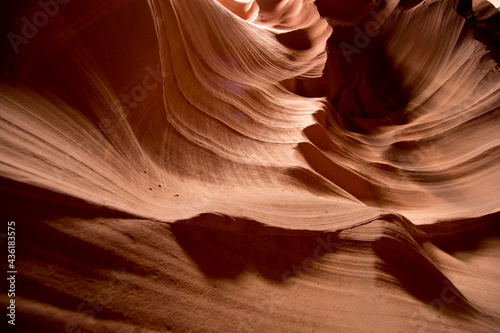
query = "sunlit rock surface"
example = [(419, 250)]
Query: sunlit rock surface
[(252, 166)]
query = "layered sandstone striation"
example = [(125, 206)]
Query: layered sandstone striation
[(252, 166)]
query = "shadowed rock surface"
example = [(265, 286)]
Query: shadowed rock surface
[(252, 166)]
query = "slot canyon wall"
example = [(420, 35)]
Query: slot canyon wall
[(251, 166)]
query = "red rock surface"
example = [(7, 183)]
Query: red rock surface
[(252, 166)]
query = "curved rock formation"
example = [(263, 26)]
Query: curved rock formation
[(252, 166)]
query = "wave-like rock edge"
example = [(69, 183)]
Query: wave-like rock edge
[(254, 166)]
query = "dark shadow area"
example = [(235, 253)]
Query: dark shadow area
[(359, 79), (464, 8), (96, 306), (53, 60), (268, 5), (487, 31), (39, 241), (485, 20), (367, 85), (318, 136), (40, 247), (21, 200), (419, 277), (408, 4), (224, 247), (30, 207), (345, 11), (340, 176), (463, 235), (311, 181), (11, 24), (296, 40)]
